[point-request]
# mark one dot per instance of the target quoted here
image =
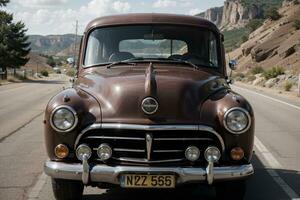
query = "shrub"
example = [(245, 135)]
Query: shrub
[(257, 70), (273, 72), (71, 72), (254, 24), (51, 61), (234, 38), (273, 14), (238, 76), (245, 38), (45, 73), (251, 78), (287, 86), (296, 24)]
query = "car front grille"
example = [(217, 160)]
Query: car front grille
[(149, 147)]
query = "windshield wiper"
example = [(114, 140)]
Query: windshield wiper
[(130, 61), (183, 61), (127, 62)]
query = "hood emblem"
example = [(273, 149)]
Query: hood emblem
[(149, 105)]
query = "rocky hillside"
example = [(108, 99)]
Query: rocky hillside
[(37, 61), (275, 43), (213, 14), (271, 56), (53, 44), (237, 13)]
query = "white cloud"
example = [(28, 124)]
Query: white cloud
[(41, 3), (186, 3), (195, 11), (121, 7), (164, 3), (60, 21)]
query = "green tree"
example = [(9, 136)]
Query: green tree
[(13, 41), (273, 14), (3, 2), (296, 24), (254, 24), (51, 61)]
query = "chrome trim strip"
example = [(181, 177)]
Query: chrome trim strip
[(130, 150), (244, 111), (184, 139), (108, 174), (150, 128), (115, 138), (72, 111)]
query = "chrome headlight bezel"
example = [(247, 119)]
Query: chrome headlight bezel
[(244, 111), (73, 113)]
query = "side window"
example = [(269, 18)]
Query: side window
[(213, 51), (94, 51)]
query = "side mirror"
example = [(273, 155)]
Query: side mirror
[(232, 64)]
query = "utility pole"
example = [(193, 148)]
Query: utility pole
[(299, 86), (37, 68), (75, 45)]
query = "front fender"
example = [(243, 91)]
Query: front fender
[(212, 114), (87, 109)]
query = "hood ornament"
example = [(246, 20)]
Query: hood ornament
[(149, 105)]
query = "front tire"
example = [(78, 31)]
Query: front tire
[(233, 190), (67, 189)]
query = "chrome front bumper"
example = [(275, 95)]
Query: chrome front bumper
[(107, 174)]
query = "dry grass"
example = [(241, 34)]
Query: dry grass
[(13, 79), (287, 86)]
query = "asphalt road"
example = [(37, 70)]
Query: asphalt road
[(277, 147)]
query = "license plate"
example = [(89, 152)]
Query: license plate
[(147, 181)]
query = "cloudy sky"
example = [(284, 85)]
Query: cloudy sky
[(59, 16)]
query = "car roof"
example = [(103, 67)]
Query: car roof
[(151, 18)]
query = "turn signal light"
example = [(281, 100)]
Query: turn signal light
[(237, 153), (61, 151)]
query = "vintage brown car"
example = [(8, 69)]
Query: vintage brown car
[(150, 107)]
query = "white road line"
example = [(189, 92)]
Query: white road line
[(37, 188), (273, 163), (268, 97)]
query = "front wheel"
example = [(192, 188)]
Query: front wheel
[(233, 190), (67, 189)]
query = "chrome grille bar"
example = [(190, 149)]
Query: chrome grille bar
[(115, 138), (184, 139), (147, 161), (104, 126), (167, 151), (129, 150)]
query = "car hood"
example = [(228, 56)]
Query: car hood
[(178, 89)]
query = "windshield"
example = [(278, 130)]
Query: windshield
[(152, 42)]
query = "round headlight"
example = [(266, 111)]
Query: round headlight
[(192, 153), (237, 120), (212, 154), (64, 119), (104, 152), (82, 150)]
